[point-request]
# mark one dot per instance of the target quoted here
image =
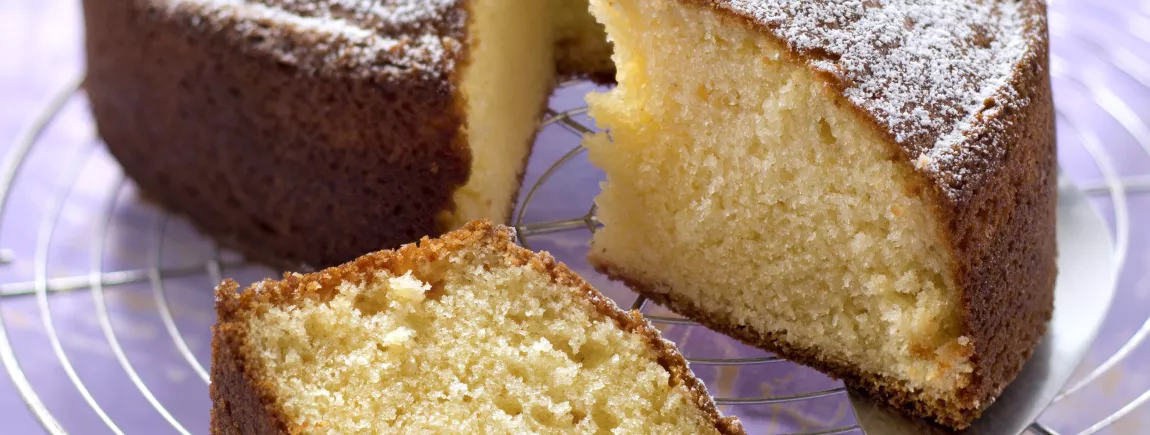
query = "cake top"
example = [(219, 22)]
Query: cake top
[(931, 72), (353, 37)]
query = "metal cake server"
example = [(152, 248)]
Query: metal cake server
[(1082, 296)]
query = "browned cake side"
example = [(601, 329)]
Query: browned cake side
[(267, 136), (997, 196), (994, 191), (244, 402), (1002, 230)]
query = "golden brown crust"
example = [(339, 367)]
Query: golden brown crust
[(243, 403), (264, 145), (1002, 230), (999, 225), (998, 222), (266, 132)]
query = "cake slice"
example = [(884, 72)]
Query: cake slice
[(866, 187), (464, 334)]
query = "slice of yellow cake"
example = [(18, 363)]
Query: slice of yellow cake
[(465, 334), (866, 187)]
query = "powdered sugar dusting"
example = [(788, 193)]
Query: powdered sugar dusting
[(350, 34), (925, 69)]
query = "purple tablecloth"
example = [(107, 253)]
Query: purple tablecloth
[(126, 356)]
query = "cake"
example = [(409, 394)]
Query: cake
[(467, 333), (307, 133), (865, 187)]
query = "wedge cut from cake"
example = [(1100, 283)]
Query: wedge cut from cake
[(865, 187), (312, 132), (468, 333)]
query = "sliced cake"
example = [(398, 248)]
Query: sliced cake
[(465, 334), (866, 187), (311, 132)]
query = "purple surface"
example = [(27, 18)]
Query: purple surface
[(41, 45)]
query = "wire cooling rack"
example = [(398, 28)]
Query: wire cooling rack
[(105, 301)]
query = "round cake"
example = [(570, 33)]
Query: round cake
[(866, 187), (307, 133)]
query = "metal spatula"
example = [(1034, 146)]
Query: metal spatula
[(1082, 296)]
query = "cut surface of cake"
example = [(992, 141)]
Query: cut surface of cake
[(865, 187), (372, 123), (467, 333)]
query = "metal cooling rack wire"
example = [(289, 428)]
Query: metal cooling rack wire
[(97, 280), (9, 169), (1092, 84), (97, 267), (161, 297), (43, 243)]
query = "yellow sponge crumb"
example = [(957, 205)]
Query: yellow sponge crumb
[(739, 185), (475, 340)]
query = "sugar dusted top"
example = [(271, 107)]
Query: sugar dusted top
[(934, 73), (355, 37), (931, 72)]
